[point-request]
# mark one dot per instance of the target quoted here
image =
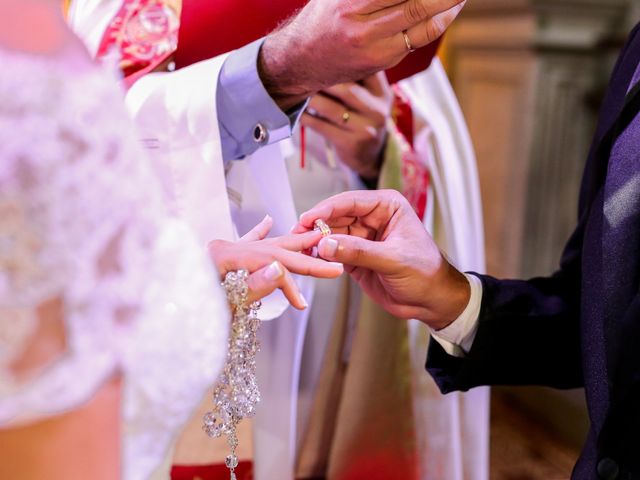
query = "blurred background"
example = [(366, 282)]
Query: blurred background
[(530, 76)]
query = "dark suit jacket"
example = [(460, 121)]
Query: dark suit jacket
[(555, 331)]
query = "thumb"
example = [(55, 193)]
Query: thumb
[(357, 252)]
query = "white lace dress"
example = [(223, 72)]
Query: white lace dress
[(82, 220)]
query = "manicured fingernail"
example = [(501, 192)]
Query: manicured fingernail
[(303, 301), (329, 247), (273, 271)]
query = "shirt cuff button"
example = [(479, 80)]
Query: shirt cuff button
[(260, 134)]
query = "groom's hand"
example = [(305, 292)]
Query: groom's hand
[(387, 250), (336, 41)]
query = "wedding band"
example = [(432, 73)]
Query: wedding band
[(407, 42), (346, 116), (322, 227)]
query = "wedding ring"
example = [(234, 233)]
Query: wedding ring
[(322, 227), (407, 42), (346, 116)]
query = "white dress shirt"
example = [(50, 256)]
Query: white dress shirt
[(457, 338)]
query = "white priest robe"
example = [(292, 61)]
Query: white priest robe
[(450, 433)]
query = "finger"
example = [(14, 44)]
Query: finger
[(410, 13), (328, 130), (299, 263), (357, 252), (260, 231), (360, 99), (298, 229), (353, 204), (348, 226), (377, 84), (274, 276), (429, 31), (298, 242), (308, 266), (338, 114)]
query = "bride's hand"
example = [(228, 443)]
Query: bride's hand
[(270, 262)]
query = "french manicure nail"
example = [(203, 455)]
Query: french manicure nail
[(330, 247), (303, 300), (273, 271)]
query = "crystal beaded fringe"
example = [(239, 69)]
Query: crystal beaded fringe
[(236, 394)]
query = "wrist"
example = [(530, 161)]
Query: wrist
[(281, 67), (449, 296), (369, 170)]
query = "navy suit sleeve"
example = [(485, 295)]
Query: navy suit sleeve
[(529, 331), (528, 334)]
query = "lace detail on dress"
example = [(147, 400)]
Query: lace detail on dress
[(82, 219)]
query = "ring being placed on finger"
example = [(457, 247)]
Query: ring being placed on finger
[(346, 116), (407, 42), (322, 227)]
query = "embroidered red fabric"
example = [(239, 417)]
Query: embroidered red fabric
[(144, 33)]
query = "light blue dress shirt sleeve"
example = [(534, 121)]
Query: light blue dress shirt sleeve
[(248, 116)]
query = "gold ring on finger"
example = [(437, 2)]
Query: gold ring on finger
[(322, 227), (407, 42), (346, 116)]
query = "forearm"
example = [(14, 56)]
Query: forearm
[(285, 77)]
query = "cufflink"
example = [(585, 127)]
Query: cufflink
[(260, 134)]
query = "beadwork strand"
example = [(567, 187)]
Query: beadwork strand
[(236, 394)]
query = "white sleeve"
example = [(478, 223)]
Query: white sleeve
[(457, 338), (176, 117)]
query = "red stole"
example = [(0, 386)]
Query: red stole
[(146, 32), (210, 28)]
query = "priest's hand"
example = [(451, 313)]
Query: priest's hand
[(387, 250), (270, 261), (352, 117), (335, 41)]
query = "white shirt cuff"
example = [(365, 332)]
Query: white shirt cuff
[(458, 337)]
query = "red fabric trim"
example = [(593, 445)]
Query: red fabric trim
[(211, 472), (415, 175), (303, 147), (211, 28)]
